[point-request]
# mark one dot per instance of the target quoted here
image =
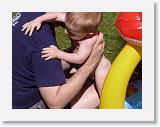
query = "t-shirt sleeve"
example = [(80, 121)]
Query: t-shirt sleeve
[(47, 73)]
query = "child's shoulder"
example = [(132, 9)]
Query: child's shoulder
[(88, 43)]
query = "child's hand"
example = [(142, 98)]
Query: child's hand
[(30, 26), (50, 52)]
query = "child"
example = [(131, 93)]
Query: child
[(82, 29)]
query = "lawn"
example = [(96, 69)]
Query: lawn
[(114, 42)]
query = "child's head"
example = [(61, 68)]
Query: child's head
[(82, 24)]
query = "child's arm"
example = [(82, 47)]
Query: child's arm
[(78, 57), (36, 23), (53, 16)]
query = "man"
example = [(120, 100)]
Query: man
[(37, 83)]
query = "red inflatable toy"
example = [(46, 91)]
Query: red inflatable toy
[(129, 25)]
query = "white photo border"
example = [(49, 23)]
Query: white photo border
[(144, 114)]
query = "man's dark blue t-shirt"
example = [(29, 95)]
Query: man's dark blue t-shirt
[(29, 70)]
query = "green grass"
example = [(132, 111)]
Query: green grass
[(114, 42)]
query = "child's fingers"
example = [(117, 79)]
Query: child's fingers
[(46, 55), (45, 51), (24, 28), (52, 46), (48, 58), (31, 31), (45, 48), (28, 29), (26, 24), (38, 26)]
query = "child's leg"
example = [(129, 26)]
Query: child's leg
[(101, 73), (87, 98)]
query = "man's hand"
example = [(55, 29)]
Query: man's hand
[(50, 52), (30, 26), (96, 54)]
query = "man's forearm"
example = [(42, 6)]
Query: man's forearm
[(72, 87)]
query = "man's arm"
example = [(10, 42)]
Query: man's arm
[(60, 96)]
